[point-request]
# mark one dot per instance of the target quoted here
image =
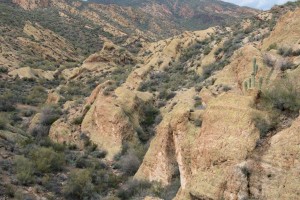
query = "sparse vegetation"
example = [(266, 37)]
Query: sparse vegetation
[(3, 121), (272, 46), (79, 185), (46, 159), (283, 95), (24, 169), (129, 163)]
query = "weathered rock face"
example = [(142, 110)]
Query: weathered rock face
[(221, 160), (279, 174), (27, 72), (32, 4), (112, 119), (168, 149), (53, 45), (226, 137), (286, 32)]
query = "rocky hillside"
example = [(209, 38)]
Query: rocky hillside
[(156, 19), (206, 114), (189, 14)]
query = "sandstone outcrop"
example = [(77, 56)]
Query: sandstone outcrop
[(30, 73), (286, 33), (112, 119), (222, 159)]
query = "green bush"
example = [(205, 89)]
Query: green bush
[(49, 114), (129, 163), (3, 121), (262, 124), (47, 160), (3, 69), (207, 50), (272, 46), (285, 51), (78, 120), (134, 187), (37, 95), (79, 185), (24, 170), (283, 95), (7, 101)]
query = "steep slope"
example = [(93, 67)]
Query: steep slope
[(191, 15), (156, 18)]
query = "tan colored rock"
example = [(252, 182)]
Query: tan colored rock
[(53, 98), (280, 165), (47, 44), (240, 69), (286, 32), (60, 132), (30, 73), (167, 150), (226, 137), (108, 123)]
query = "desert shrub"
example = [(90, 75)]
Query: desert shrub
[(83, 162), (24, 170), (37, 95), (79, 185), (198, 122), (129, 163), (283, 95), (150, 113), (78, 120), (218, 51), (209, 69), (3, 69), (262, 124), (9, 191), (3, 121), (7, 101), (272, 46), (165, 94), (284, 51), (49, 114), (73, 90), (104, 180), (285, 64), (269, 60), (47, 160), (207, 50), (134, 187), (226, 88), (296, 52), (170, 191), (148, 122), (47, 142), (39, 131), (28, 113), (99, 154)]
